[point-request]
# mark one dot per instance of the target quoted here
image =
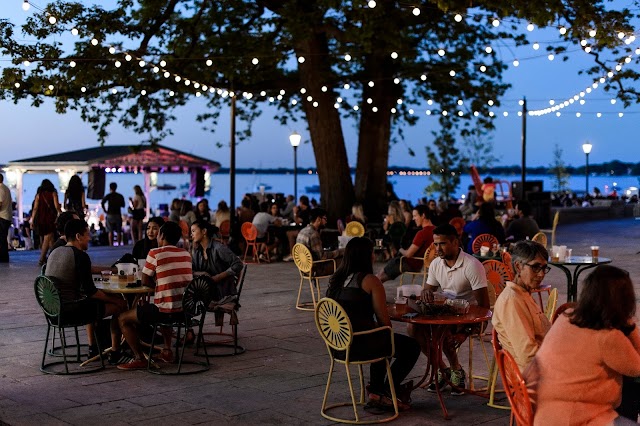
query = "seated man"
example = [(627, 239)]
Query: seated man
[(421, 242), (142, 247), (300, 217), (61, 221), (310, 238), (517, 318), (171, 267), (523, 225), (460, 276), (71, 265)]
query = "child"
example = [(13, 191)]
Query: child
[(489, 190)]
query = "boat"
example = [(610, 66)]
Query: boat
[(261, 187), (312, 189), (165, 187)]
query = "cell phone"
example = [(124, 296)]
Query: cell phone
[(410, 315)]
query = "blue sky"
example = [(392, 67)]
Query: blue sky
[(37, 131)]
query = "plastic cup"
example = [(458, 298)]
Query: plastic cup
[(106, 275), (379, 242), (400, 300), (595, 252), (439, 297), (484, 251), (555, 258)]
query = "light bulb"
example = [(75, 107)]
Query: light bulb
[(416, 11), (52, 20), (536, 46), (74, 31), (458, 17), (255, 61), (394, 55), (371, 4), (530, 27), (592, 33), (516, 63), (25, 5), (301, 59)]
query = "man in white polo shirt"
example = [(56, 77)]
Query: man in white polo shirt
[(460, 276)]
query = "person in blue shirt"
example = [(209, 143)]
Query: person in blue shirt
[(484, 223)]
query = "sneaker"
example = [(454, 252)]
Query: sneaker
[(134, 364), (287, 258), (165, 356), (442, 382), (457, 380), (119, 357), (93, 351)]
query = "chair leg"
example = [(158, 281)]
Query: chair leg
[(75, 329), (63, 339), (392, 387), (153, 341), (361, 383), (326, 389), (353, 397), (46, 341)]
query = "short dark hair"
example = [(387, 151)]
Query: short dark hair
[(447, 230), (525, 207), (157, 220), (62, 220), (304, 200), (74, 227), (265, 206), (422, 210), (171, 232), (607, 301), (316, 213), (525, 251), (113, 186), (205, 225)]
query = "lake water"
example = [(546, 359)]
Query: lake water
[(406, 187)]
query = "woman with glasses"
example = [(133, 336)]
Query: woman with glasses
[(517, 318), (576, 376)]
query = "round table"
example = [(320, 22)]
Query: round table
[(581, 263), (437, 326)]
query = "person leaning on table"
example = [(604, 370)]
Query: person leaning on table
[(517, 318), (575, 377)]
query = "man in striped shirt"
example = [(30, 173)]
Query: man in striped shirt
[(171, 268)]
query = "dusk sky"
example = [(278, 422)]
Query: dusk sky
[(30, 131)]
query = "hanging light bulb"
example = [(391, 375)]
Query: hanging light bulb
[(495, 22), (394, 55), (142, 64), (118, 64), (488, 49), (112, 50), (483, 68), (530, 27), (441, 52), (72, 64), (163, 63), (563, 30), (52, 19), (255, 61), (347, 57), (94, 41), (516, 63), (74, 31), (25, 5), (416, 11), (457, 18), (301, 59), (371, 4), (127, 58), (551, 57), (592, 33), (26, 63)]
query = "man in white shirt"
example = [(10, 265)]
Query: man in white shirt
[(6, 215), (460, 276)]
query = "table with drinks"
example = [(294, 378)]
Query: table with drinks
[(438, 325), (581, 264)]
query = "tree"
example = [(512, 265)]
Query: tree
[(478, 148), (559, 170), (321, 60), (446, 164)]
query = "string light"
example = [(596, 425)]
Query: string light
[(25, 5)]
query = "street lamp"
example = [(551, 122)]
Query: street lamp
[(295, 138), (586, 148)]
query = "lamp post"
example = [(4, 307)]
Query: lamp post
[(586, 148), (295, 138)]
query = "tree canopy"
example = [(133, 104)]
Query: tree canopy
[(316, 60)]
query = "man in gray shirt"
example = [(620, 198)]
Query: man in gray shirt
[(524, 226), (115, 202), (6, 215)]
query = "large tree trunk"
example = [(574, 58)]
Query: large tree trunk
[(375, 133), (336, 188)]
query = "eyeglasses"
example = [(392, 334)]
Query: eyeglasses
[(539, 268)]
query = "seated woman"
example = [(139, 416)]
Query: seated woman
[(357, 214), (362, 296), (142, 247), (484, 223), (576, 376), (394, 227)]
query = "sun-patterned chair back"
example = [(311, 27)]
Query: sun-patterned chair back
[(354, 229), (333, 324), (249, 231), (48, 296), (458, 223), (486, 240), (515, 388), (552, 301), (497, 274), (506, 259), (302, 258), (429, 255), (540, 238)]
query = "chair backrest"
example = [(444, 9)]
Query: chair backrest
[(184, 226), (354, 229), (561, 310), (249, 231), (540, 238), (225, 228), (197, 296), (486, 240), (47, 295), (497, 274), (429, 255), (458, 223), (302, 258), (515, 388), (240, 280), (506, 259), (333, 324), (495, 343), (552, 301)]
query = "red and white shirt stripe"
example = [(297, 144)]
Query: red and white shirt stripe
[(172, 269)]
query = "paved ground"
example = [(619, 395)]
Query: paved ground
[(279, 380)]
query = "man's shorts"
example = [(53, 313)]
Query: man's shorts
[(150, 314), (114, 223), (86, 311)]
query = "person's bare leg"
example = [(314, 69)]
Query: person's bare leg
[(166, 336), (128, 324), (120, 238), (90, 336), (383, 276), (110, 238)]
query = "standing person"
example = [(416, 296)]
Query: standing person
[(517, 318), (138, 213), (576, 375), (74, 198), (6, 215), (362, 295), (171, 268), (114, 212), (46, 207)]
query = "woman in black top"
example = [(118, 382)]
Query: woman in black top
[(362, 296), (74, 198)]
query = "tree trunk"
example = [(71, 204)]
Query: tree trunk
[(325, 127), (374, 137)]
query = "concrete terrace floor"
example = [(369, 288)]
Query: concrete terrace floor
[(279, 380)]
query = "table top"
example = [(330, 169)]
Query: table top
[(115, 288), (582, 260), (476, 314)]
